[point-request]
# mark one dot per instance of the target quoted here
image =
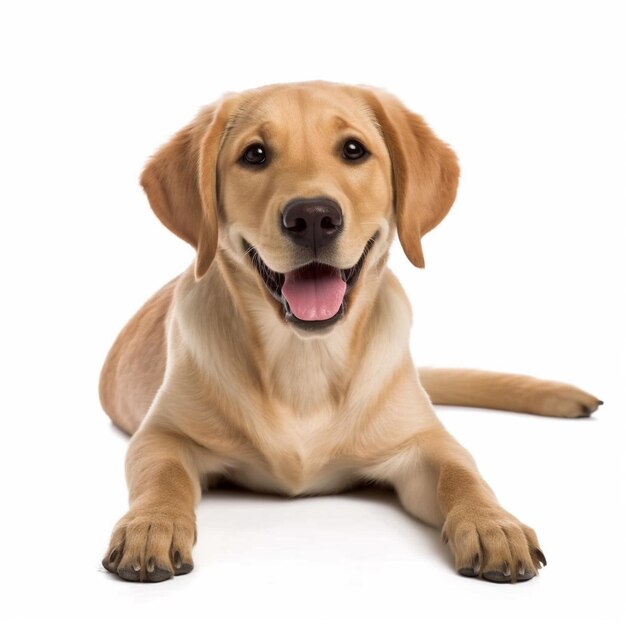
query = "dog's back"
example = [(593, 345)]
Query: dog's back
[(133, 370)]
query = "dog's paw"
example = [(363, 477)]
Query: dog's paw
[(491, 543), (151, 546)]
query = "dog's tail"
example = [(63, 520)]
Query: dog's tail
[(506, 392)]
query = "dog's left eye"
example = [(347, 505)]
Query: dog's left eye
[(254, 155), (354, 150)]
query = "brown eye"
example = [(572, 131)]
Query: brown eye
[(354, 150), (254, 155)]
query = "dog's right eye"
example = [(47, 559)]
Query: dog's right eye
[(254, 155)]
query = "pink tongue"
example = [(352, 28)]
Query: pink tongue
[(313, 295)]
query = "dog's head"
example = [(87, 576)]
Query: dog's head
[(302, 185)]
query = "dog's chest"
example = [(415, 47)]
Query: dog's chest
[(300, 455)]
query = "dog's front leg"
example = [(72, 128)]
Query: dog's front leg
[(153, 541), (437, 481)]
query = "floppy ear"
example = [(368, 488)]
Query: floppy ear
[(179, 181), (425, 171)]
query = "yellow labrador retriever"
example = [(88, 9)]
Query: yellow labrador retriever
[(280, 360)]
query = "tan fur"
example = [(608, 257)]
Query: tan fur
[(214, 382), (507, 392), (135, 365)]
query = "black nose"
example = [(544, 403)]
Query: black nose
[(312, 222)]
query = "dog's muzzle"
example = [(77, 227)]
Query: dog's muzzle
[(313, 295)]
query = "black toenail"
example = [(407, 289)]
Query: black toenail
[(467, 571), (540, 556), (185, 568), (496, 577), (159, 575)]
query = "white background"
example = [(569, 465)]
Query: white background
[(524, 275)]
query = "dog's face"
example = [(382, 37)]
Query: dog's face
[(306, 193), (304, 184)]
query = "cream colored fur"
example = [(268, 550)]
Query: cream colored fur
[(212, 381)]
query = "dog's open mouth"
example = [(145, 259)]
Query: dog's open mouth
[(313, 295)]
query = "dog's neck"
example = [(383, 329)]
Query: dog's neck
[(255, 344)]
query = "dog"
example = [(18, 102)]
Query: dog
[(280, 359)]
